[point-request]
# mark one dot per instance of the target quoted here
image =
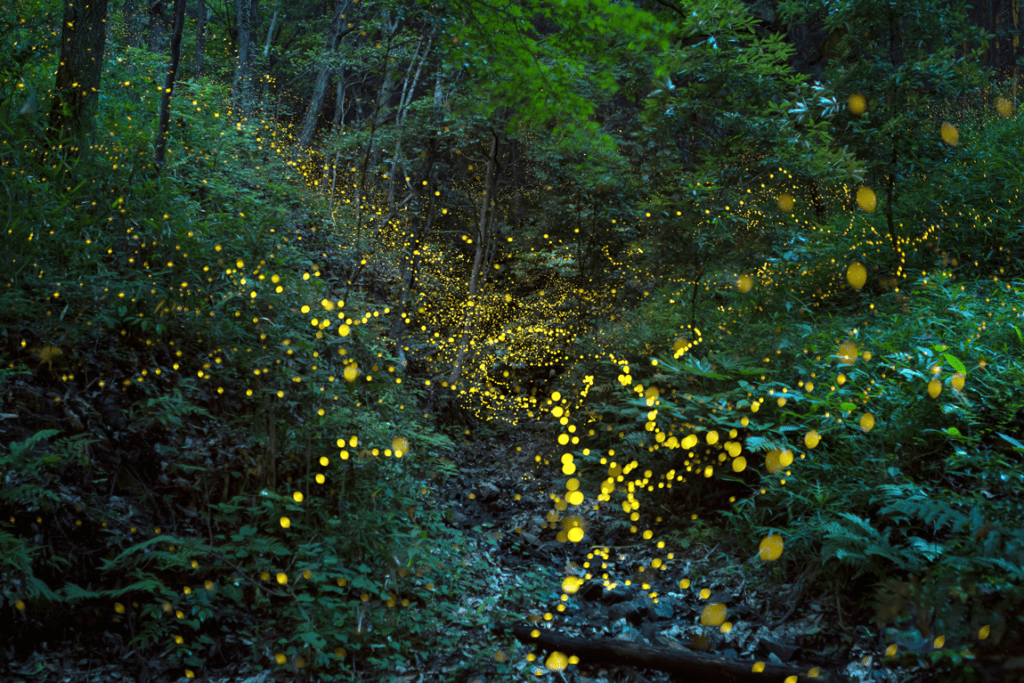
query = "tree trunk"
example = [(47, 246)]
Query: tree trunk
[(168, 90), (339, 101), (160, 22), (387, 89), (204, 15), (132, 23), (323, 75), (242, 84), (478, 277), (890, 196), (517, 187), (411, 262), (79, 70), (334, 180), (270, 35)]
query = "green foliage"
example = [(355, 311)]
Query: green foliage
[(156, 300), (923, 487), (544, 68), (229, 398), (311, 595), (24, 470)]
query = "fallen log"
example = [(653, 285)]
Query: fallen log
[(593, 651)]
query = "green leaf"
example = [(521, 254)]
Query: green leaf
[(1017, 445), (956, 363)]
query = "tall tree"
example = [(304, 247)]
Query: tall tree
[(484, 243), (325, 66), (203, 15), (160, 16), (79, 71), (412, 256), (132, 23), (899, 62), (729, 93), (242, 86), (169, 81)]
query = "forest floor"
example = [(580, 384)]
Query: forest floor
[(499, 504), (785, 621)]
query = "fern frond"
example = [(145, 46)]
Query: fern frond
[(76, 592), (759, 444)]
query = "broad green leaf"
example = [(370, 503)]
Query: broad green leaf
[(955, 363)]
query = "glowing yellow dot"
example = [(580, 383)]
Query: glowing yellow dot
[(1004, 107), (770, 548), (856, 275), (866, 199), (949, 133), (957, 381), (556, 661), (857, 104), (713, 614)]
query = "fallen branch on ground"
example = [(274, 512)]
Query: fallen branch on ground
[(592, 651)]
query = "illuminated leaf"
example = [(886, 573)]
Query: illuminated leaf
[(955, 363)]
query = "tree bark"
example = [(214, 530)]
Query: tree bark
[(132, 23), (242, 84), (323, 75), (689, 665), (411, 262), (204, 15), (270, 35), (339, 101), (172, 74), (80, 70), (160, 22), (477, 276)]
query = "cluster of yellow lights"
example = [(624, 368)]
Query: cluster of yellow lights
[(508, 335), (626, 479)]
